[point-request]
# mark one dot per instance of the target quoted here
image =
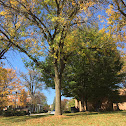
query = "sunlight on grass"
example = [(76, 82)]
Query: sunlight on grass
[(74, 119)]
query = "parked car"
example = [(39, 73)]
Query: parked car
[(52, 112)]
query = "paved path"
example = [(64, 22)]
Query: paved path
[(39, 114)]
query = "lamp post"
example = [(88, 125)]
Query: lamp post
[(15, 100)]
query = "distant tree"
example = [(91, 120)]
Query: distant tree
[(46, 108), (23, 98), (53, 105), (64, 105), (32, 83), (40, 98), (3, 92), (9, 84), (70, 103)]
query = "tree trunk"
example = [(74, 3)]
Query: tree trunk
[(57, 80), (86, 105), (117, 107), (98, 105), (83, 108)]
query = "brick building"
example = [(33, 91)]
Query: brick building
[(106, 105)]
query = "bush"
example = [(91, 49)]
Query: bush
[(14, 113), (45, 111), (67, 112), (25, 113), (18, 113), (1, 112), (73, 109), (8, 113)]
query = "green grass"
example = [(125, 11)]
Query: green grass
[(72, 119)]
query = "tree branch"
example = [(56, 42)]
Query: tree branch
[(20, 48), (120, 9), (123, 3), (35, 17), (5, 50)]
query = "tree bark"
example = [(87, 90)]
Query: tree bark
[(86, 105), (57, 80), (82, 101)]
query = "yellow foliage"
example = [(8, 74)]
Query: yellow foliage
[(73, 3), (102, 30), (99, 16), (89, 4), (14, 2), (9, 83), (23, 98), (109, 11), (3, 13)]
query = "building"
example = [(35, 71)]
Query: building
[(106, 105), (14, 101), (122, 105)]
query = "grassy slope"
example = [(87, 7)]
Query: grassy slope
[(76, 119)]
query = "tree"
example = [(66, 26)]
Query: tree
[(3, 77), (9, 84), (32, 83), (53, 105), (93, 51), (64, 105), (84, 78), (40, 98), (23, 98), (52, 20), (71, 103), (114, 19)]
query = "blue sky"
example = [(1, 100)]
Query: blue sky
[(14, 61)]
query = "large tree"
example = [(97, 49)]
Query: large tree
[(94, 75), (95, 50), (47, 23)]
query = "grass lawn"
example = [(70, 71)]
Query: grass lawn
[(72, 119)]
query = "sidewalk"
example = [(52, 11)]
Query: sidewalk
[(39, 114)]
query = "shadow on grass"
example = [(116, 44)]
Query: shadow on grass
[(123, 113), (23, 118), (69, 115), (95, 113), (113, 112), (82, 113)]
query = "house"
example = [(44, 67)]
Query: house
[(14, 101), (106, 105), (122, 105)]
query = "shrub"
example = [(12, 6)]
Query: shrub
[(67, 112), (1, 112), (13, 113), (8, 113), (73, 109)]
